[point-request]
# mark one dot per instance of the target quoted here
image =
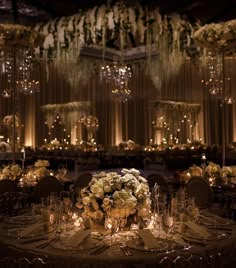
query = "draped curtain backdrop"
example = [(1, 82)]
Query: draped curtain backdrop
[(121, 121)]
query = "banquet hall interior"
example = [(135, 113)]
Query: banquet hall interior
[(117, 133)]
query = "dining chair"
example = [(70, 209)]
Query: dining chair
[(199, 188), (182, 262), (45, 186), (25, 262), (83, 180), (7, 262), (161, 180), (7, 185), (165, 262)]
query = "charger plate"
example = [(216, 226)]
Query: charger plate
[(214, 236), (88, 243), (21, 220), (162, 245)]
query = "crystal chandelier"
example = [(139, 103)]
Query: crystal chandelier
[(217, 80), (16, 67), (17, 44), (214, 82), (118, 75)]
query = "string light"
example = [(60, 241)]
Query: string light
[(118, 74)]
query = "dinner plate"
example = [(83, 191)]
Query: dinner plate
[(15, 232), (21, 220), (213, 236), (137, 243), (215, 220), (88, 243), (214, 223)]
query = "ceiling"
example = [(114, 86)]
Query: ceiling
[(33, 11)]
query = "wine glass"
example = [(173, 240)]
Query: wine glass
[(112, 225), (167, 223), (62, 171), (168, 227)]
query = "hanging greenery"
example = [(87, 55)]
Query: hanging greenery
[(66, 107), (174, 106), (167, 36), (19, 36), (217, 37)]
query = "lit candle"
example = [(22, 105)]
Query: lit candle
[(74, 216), (79, 222), (23, 153)]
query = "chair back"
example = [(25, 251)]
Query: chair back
[(200, 189), (7, 185), (45, 187), (160, 179), (83, 180)]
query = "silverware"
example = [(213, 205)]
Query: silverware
[(49, 241), (31, 240), (99, 249), (195, 242), (125, 250)]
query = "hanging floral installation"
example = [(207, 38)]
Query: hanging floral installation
[(68, 112), (168, 36), (176, 106), (217, 37), (176, 120), (19, 36)]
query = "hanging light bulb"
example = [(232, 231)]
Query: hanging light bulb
[(229, 100), (6, 93), (27, 87), (118, 75)]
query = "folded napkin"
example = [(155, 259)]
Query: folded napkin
[(149, 240), (78, 238), (32, 229), (200, 230)]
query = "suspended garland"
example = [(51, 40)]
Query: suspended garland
[(177, 106), (69, 112), (19, 36), (88, 27), (217, 37), (168, 36), (66, 107)]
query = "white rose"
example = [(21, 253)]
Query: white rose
[(86, 200), (95, 204)]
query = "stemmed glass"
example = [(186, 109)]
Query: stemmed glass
[(155, 194), (62, 172), (168, 225), (112, 225)]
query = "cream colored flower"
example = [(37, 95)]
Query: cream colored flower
[(11, 171), (41, 163), (97, 189), (195, 171), (86, 200), (116, 195)]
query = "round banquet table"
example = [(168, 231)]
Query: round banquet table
[(218, 253)]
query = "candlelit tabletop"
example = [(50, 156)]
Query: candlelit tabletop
[(67, 245)]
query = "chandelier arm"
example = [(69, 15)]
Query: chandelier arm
[(15, 11)]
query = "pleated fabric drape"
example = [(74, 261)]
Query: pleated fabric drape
[(120, 121)]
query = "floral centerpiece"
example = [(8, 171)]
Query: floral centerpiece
[(41, 168), (226, 174), (119, 196), (13, 35), (195, 170), (212, 169), (217, 36), (11, 171)]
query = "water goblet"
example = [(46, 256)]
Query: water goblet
[(168, 226), (62, 172), (112, 225)]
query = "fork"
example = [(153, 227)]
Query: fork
[(125, 250)]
